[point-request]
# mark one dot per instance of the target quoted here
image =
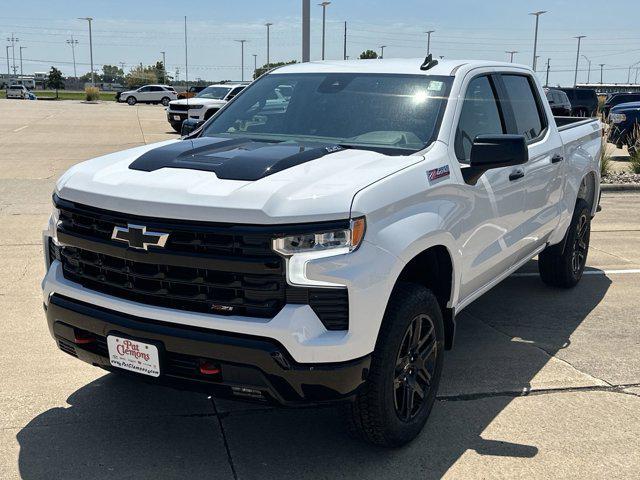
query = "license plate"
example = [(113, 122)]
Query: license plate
[(176, 117), (134, 356)]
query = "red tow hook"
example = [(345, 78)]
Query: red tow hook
[(209, 368), (82, 338)]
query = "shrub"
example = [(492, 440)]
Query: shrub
[(92, 94), (605, 162)]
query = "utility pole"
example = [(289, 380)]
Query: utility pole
[(8, 69), (122, 65), (13, 39), (72, 43), (268, 25), (575, 77), (536, 62), (164, 67), (324, 22), (589, 68), (306, 30), (344, 52), (177, 72), (629, 75), (382, 51), (512, 54), (546, 83), (186, 56), (22, 48), (429, 32), (90, 19), (535, 38), (241, 58), (601, 70)]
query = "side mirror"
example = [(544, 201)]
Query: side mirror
[(495, 151), (189, 126)]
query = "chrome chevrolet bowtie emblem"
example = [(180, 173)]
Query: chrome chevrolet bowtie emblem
[(136, 236)]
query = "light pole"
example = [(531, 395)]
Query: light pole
[(512, 54), (8, 69), (164, 67), (601, 71), (13, 39), (546, 82), (535, 38), (575, 77), (588, 68), (255, 64), (429, 32), (90, 19), (344, 51), (324, 22), (268, 25), (382, 51), (71, 42), (306, 30), (241, 58), (22, 48)]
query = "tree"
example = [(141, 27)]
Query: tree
[(55, 80), (112, 74), (368, 54), (266, 67), (140, 75)]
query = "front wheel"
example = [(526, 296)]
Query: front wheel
[(406, 366), (131, 100), (564, 268), (165, 101)]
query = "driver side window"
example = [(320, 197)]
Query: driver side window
[(480, 115)]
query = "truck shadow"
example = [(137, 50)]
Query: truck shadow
[(116, 427)]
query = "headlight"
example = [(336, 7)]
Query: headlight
[(347, 239), (195, 107), (617, 117), (299, 250)]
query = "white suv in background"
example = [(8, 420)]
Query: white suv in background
[(17, 91), (203, 105), (149, 94)]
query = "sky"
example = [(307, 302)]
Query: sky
[(135, 31)]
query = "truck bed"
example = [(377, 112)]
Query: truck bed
[(565, 123)]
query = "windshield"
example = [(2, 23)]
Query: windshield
[(395, 113), (215, 93)]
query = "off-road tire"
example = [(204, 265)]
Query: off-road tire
[(373, 416), (564, 268)]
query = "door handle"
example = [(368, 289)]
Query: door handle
[(557, 158), (516, 174)]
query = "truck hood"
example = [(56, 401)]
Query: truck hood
[(230, 180), (197, 101)]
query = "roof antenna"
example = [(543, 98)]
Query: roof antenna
[(428, 63)]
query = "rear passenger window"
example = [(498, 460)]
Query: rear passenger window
[(524, 102), (479, 116)]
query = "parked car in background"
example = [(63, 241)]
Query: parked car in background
[(624, 121), (201, 107), (320, 248), (191, 92), (584, 101), (149, 94), (18, 91), (618, 98), (559, 102)]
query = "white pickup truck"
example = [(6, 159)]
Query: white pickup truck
[(319, 249)]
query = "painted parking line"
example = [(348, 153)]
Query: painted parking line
[(587, 272), (21, 128)]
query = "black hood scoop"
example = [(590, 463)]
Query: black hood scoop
[(232, 159)]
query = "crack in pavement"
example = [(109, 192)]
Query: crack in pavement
[(549, 354), (224, 439), (544, 391)]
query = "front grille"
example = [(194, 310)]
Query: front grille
[(205, 268), (179, 108)]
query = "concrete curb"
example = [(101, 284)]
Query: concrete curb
[(620, 187)]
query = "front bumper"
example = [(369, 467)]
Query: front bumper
[(251, 368)]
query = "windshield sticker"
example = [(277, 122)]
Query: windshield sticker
[(435, 86), (437, 173)]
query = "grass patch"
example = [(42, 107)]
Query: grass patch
[(67, 95), (605, 162)]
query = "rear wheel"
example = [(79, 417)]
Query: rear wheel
[(405, 370), (564, 268), (132, 100)]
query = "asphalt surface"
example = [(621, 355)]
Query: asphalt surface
[(542, 383)]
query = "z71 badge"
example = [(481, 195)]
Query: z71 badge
[(437, 173)]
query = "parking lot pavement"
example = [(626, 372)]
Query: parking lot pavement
[(541, 383)]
